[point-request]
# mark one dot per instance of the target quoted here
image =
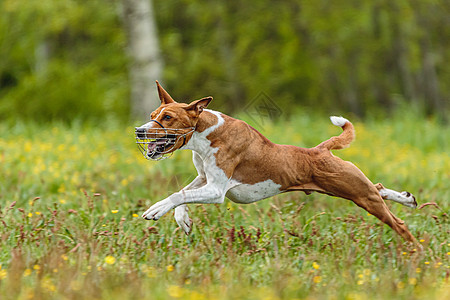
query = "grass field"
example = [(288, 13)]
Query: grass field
[(71, 197)]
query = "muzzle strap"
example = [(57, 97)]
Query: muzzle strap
[(184, 135), (159, 143), (157, 122)]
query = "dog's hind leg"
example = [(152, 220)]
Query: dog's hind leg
[(375, 205), (405, 198), (345, 180)]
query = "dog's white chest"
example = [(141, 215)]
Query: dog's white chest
[(248, 193)]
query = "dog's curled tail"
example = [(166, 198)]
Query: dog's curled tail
[(344, 139)]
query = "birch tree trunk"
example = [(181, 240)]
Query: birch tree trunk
[(146, 63)]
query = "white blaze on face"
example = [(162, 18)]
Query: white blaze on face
[(152, 124)]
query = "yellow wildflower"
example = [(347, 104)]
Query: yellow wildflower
[(170, 268), (317, 279), (110, 260), (3, 274), (114, 211), (316, 265)]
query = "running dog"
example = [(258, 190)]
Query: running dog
[(236, 161)]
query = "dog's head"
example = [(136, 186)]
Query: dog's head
[(170, 127)]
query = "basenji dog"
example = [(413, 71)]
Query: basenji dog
[(236, 161)]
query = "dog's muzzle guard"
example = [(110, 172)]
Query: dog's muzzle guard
[(159, 143)]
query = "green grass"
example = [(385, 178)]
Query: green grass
[(69, 225)]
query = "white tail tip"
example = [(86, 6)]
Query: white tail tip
[(338, 121)]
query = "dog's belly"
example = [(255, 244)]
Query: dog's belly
[(248, 193)]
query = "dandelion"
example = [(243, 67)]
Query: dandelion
[(175, 291), (421, 240), (110, 260), (404, 253), (38, 213), (315, 265), (64, 257), (114, 211), (27, 272), (3, 274), (317, 279), (135, 215), (170, 268), (427, 262), (412, 281), (30, 215), (36, 267)]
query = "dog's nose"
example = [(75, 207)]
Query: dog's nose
[(140, 132)]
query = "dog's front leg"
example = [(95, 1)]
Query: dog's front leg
[(181, 212), (209, 193)]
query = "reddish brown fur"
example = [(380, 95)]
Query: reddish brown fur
[(247, 156)]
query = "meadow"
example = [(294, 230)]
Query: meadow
[(71, 197)]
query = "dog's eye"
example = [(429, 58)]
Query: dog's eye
[(167, 117)]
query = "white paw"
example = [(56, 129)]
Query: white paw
[(182, 218), (410, 199), (158, 209)]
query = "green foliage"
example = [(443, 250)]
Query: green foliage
[(82, 238), (66, 61), (366, 57)]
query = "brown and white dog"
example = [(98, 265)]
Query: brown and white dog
[(234, 160)]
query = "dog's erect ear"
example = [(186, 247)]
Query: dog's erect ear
[(199, 105), (163, 95)]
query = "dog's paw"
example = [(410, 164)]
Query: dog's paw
[(182, 218), (157, 210), (410, 199)]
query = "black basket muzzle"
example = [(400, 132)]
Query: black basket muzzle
[(160, 143)]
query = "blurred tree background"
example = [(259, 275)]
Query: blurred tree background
[(70, 59)]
